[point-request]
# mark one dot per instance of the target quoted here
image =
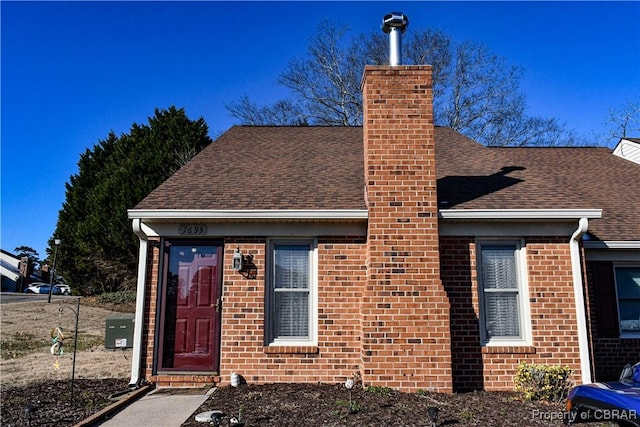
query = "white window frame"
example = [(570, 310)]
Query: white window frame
[(623, 334), (523, 294), (312, 339)]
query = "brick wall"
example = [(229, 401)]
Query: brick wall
[(553, 314), (150, 304), (458, 272), (341, 270), (342, 316), (609, 352), (343, 312), (405, 310), (610, 355)]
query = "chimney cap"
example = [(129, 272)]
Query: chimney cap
[(395, 20)]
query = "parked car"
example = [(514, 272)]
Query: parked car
[(64, 288), (42, 288), (617, 402)]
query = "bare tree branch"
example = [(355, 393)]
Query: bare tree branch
[(624, 121), (475, 91)]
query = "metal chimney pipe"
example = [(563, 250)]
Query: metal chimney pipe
[(395, 24)]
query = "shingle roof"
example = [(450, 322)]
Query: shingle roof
[(311, 168), (270, 168), (586, 178)]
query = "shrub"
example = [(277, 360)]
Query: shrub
[(379, 390), (352, 407), (550, 383), (120, 297)]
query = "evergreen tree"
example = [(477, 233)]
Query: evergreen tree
[(29, 252), (99, 250)]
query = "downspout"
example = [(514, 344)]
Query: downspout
[(139, 316), (578, 290)]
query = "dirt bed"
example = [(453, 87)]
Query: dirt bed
[(49, 403), (329, 405)]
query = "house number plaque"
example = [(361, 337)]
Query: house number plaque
[(192, 229)]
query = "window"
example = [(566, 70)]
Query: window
[(504, 305), (628, 290), (291, 297)]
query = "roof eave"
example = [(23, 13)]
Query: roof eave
[(519, 214), (612, 244), (360, 214), (212, 214)]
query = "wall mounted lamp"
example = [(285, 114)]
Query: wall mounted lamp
[(237, 260)]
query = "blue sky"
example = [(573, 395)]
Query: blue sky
[(71, 72)]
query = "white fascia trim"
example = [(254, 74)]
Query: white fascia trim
[(205, 214), (611, 244), (520, 214)]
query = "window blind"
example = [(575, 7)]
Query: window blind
[(500, 289), (291, 291)]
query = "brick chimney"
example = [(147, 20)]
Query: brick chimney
[(405, 309)]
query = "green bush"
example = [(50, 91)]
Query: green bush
[(549, 383), (120, 297)]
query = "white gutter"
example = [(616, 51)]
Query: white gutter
[(6, 272), (578, 290), (495, 214), (10, 260), (247, 214), (520, 214), (139, 316)]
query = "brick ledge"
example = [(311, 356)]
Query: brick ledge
[(508, 350), (286, 349)]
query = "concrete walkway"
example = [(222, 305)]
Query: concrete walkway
[(160, 408)]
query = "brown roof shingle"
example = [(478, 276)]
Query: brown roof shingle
[(585, 177), (270, 168), (316, 168)]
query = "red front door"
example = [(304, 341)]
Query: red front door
[(190, 332)]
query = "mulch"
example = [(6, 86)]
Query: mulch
[(330, 405), (49, 403)]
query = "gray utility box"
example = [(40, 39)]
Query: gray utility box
[(119, 332)]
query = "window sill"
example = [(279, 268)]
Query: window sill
[(629, 335), (290, 349), (508, 349)]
